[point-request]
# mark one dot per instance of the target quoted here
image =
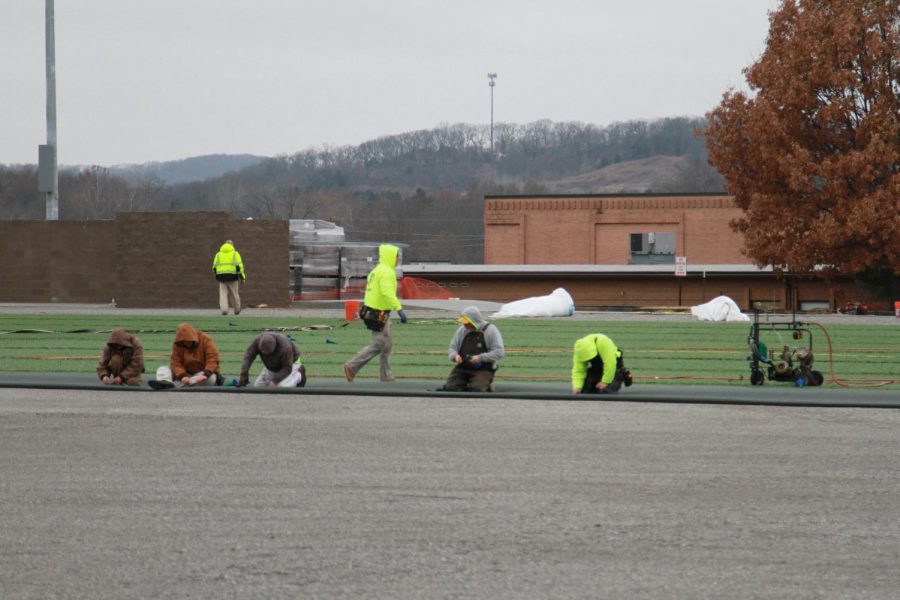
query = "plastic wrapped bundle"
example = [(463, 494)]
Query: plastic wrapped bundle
[(557, 304)]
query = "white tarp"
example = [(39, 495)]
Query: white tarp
[(722, 308), (557, 304)]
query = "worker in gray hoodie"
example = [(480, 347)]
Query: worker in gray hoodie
[(281, 362), (475, 349)]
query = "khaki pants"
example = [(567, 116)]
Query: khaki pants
[(381, 346), (229, 293)]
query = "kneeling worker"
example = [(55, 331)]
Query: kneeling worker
[(476, 348), (597, 366), (194, 361), (281, 362), (122, 361)]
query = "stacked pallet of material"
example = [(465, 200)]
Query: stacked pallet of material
[(315, 259), (356, 262)]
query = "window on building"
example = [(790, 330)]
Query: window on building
[(652, 248)]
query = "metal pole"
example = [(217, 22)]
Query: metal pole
[(50, 27), (491, 78)]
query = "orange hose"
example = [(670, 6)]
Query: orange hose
[(838, 381)]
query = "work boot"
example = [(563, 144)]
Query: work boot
[(348, 373)]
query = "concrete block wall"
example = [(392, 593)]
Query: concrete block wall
[(57, 261), (165, 259), (143, 260)]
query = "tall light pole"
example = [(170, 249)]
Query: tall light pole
[(491, 83), (48, 178)]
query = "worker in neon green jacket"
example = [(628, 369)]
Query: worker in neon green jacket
[(597, 366), (380, 300), (229, 271)]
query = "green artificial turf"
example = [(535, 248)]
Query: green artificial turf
[(655, 351)]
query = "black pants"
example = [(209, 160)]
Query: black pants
[(595, 375)]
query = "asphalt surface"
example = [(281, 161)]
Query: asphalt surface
[(367, 490), (236, 495)]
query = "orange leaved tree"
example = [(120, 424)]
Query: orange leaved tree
[(812, 153)]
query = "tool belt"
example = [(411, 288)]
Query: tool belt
[(374, 319)]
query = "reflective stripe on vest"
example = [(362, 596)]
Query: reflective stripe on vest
[(226, 267)]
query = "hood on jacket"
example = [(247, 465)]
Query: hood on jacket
[(119, 336), (186, 333), (226, 247), (387, 255), (586, 348), (472, 316)]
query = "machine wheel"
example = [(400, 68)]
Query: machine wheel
[(816, 378), (757, 378)]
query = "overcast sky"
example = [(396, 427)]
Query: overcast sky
[(153, 80)]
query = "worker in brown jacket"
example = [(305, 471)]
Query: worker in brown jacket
[(122, 361), (280, 357), (194, 361)]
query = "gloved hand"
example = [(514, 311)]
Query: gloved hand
[(402, 316), (243, 380)]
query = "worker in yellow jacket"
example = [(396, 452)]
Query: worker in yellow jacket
[(380, 300), (597, 366), (229, 271)]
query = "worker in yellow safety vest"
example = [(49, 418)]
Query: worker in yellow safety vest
[(229, 271)]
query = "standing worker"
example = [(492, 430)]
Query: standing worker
[(229, 271), (597, 366), (380, 300)]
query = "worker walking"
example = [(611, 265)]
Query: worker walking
[(229, 271), (380, 300), (597, 366)]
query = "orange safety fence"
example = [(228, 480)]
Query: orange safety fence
[(416, 288), (408, 288)]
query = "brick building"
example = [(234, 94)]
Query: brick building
[(605, 229), (619, 251)]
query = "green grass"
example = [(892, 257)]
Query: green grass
[(664, 352)]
